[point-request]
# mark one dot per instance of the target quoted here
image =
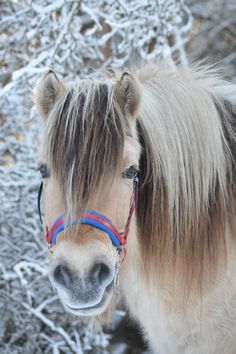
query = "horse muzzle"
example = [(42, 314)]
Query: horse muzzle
[(86, 285)]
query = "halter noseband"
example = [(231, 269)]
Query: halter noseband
[(94, 219)]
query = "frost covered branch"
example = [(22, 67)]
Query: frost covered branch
[(73, 37)]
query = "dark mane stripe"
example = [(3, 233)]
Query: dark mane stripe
[(84, 141)]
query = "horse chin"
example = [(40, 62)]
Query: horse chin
[(94, 310)]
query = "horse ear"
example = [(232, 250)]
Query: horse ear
[(48, 90), (128, 93)]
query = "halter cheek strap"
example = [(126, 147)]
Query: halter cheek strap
[(94, 219)]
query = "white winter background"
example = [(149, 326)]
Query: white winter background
[(74, 38)]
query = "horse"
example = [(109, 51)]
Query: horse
[(139, 192)]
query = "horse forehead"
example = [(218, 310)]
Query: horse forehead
[(132, 150)]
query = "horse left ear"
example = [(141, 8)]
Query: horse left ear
[(48, 90), (128, 93)]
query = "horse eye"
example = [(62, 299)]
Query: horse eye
[(44, 171), (130, 172)]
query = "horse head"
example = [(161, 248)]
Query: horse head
[(89, 163)]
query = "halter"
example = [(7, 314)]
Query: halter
[(94, 219)]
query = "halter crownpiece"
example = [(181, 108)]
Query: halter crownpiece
[(94, 219)]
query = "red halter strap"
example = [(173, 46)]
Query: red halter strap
[(133, 206)]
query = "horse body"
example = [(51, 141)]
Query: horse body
[(207, 326), (177, 128)]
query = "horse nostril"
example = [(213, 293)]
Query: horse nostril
[(62, 275), (101, 272), (104, 272)]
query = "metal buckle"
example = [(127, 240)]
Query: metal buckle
[(122, 250), (135, 182), (116, 277)]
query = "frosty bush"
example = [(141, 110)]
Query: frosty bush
[(73, 38), (214, 33), (76, 36)]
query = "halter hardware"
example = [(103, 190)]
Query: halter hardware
[(94, 219)]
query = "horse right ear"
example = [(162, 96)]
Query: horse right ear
[(48, 90), (128, 93)]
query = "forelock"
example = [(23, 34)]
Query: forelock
[(84, 140)]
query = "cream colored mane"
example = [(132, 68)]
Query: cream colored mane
[(187, 195)]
